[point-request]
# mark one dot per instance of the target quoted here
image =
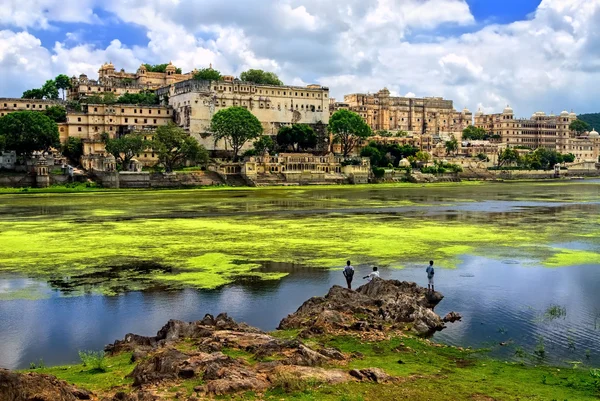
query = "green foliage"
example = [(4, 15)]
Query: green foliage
[(540, 348), (207, 74), (555, 312), (260, 77), (125, 147), (28, 131), (160, 68), (235, 125), (39, 365), (74, 105), (63, 83), (579, 126), (56, 113), (106, 98), (383, 133), (298, 137), (441, 168), (174, 146), (422, 156), (382, 155), (474, 133), (72, 149), (144, 97), (592, 119), (33, 94), (378, 172), (508, 156), (2, 143), (263, 143), (348, 129), (483, 157), (451, 146), (50, 90), (95, 360), (401, 134)]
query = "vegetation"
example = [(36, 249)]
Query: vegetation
[(95, 360), (235, 125), (28, 131), (160, 68), (508, 157), (384, 155), (125, 147), (298, 137), (477, 134), (260, 77), (56, 113), (63, 83), (451, 146), (144, 97), (207, 74), (580, 126), (264, 143), (72, 149), (592, 119), (441, 168), (50, 89), (174, 147), (541, 158), (348, 129)]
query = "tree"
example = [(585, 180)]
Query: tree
[(349, 129), (451, 146), (56, 113), (384, 133), (236, 126), (373, 154), (28, 131), (263, 143), (145, 97), (508, 156), (50, 90), (72, 149), (299, 137), (423, 157), (207, 74), (568, 158), (2, 143), (160, 68), (125, 147), (579, 126), (260, 77), (474, 133), (63, 83), (33, 94), (174, 146), (401, 134)]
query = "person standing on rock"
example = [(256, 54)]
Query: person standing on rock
[(349, 274), (430, 272), (373, 274)]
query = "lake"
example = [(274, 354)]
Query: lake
[(519, 261)]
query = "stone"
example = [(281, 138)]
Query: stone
[(371, 374), (38, 387), (452, 317)]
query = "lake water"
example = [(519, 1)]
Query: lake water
[(78, 271)]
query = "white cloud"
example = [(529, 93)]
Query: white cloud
[(548, 61)]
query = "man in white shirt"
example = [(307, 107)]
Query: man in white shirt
[(373, 274)]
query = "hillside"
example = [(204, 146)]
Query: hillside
[(593, 119)]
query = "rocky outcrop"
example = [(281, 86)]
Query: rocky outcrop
[(379, 305), (37, 387)]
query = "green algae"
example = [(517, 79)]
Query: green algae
[(108, 243)]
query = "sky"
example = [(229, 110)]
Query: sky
[(482, 54)]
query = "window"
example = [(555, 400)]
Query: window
[(27, 106), (122, 110), (135, 121), (5, 105), (155, 121), (15, 105), (167, 111), (159, 112), (95, 109), (78, 118), (149, 111), (126, 120), (79, 129), (145, 120), (135, 111), (296, 93)]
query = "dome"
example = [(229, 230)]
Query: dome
[(593, 134), (564, 113), (508, 110), (404, 163), (572, 114), (171, 67), (479, 112), (466, 111), (110, 65)]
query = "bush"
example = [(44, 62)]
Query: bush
[(95, 360), (378, 172)]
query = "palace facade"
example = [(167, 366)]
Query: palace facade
[(547, 131), (430, 115)]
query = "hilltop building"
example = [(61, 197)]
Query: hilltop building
[(548, 131), (195, 102), (430, 116)]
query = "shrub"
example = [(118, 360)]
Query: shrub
[(378, 172), (95, 360)]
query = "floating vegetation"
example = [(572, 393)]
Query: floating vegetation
[(555, 312), (540, 348)]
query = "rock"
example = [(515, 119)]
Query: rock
[(140, 396), (37, 387), (372, 374), (161, 366), (373, 306), (452, 317), (332, 353)]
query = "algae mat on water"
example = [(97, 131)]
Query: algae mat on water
[(109, 243)]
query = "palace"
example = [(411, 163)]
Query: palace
[(548, 131), (195, 102), (430, 115), (120, 83)]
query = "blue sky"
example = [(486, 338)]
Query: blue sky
[(533, 55)]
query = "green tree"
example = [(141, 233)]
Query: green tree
[(2, 143), (125, 147), (508, 156), (260, 77), (263, 143), (474, 133), (401, 134), (579, 126), (530, 161), (207, 74), (423, 157), (568, 158), (298, 137), (28, 131), (451, 146), (383, 133), (160, 68), (145, 97), (236, 126), (72, 149), (33, 94), (50, 90), (174, 146), (348, 129), (63, 83), (373, 154), (56, 113)]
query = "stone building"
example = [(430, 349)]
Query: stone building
[(195, 102), (547, 131), (430, 115), (121, 82)]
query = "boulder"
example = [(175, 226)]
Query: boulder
[(452, 317), (37, 387)]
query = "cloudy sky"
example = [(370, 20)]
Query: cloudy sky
[(480, 53)]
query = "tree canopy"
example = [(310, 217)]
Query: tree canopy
[(263, 143), (28, 131), (174, 146), (50, 89), (63, 83), (474, 133), (56, 113), (207, 74), (235, 125), (260, 77), (348, 129), (72, 149), (580, 126), (592, 119), (451, 146), (160, 68), (125, 147), (298, 137), (508, 156), (145, 97), (382, 155)]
